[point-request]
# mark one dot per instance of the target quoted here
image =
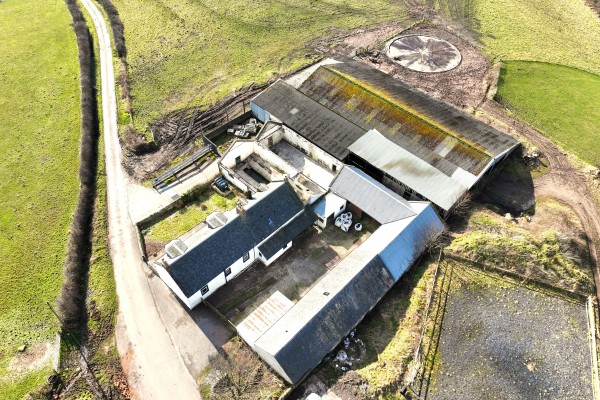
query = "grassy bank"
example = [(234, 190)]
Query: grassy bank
[(562, 102), (551, 248), (562, 32), (39, 113), (185, 53)]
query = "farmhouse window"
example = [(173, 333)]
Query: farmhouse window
[(246, 257), (228, 271), (204, 290)]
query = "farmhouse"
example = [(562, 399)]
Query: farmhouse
[(416, 145), (262, 229), (341, 143)]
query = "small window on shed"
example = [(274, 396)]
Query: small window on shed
[(228, 271), (334, 167), (246, 257), (342, 207), (204, 290)]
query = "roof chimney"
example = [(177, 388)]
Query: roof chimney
[(240, 207)]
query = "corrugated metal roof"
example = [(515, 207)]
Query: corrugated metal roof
[(438, 134), (318, 322), (401, 252), (409, 169), (265, 315), (321, 126), (314, 326), (372, 197)]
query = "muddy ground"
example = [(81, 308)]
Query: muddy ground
[(502, 340)]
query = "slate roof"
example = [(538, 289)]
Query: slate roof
[(328, 312), (370, 196), (288, 233), (437, 133), (200, 264), (321, 126)]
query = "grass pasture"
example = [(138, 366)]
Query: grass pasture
[(39, 151), (184, 53), (564, 32), (562, 102)]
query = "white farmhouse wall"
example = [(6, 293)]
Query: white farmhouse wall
[(240, 265), (313, 151), (275, 256), (195, 299), (168, 280), (213, 285), (236, 182), (276, 161), (276, 135), (239, 149)]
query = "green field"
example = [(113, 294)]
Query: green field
[(39, 151), (195, 52), (562, 32), (562, 102)]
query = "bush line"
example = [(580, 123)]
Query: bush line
[(117, 27), (71, 301)]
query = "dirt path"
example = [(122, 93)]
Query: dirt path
[(150, 359), (562, 181)]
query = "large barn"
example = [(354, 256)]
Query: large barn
[(420, 147)]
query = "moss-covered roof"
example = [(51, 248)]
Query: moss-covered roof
[(442, 136)]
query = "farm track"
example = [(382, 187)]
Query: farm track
[(150, 359), (562, 181)]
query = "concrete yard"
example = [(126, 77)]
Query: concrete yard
[(500, 340), (303, 163), (312, 255)]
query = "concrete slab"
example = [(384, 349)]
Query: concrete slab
[(303, 163), (198, 334)]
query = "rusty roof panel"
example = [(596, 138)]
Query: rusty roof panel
[(436, 133), (261, 319)]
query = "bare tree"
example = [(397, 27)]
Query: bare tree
[(235, 378)]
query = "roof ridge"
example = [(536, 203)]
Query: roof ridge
[(313, 100), (387, 191), (408, 110)]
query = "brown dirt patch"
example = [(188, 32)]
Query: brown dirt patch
[(35, 357), (462, 86)]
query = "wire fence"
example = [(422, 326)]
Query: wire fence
[(425, 355)]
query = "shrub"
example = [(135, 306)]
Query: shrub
[(71, 300)]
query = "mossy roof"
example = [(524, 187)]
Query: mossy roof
[(437, 133)]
